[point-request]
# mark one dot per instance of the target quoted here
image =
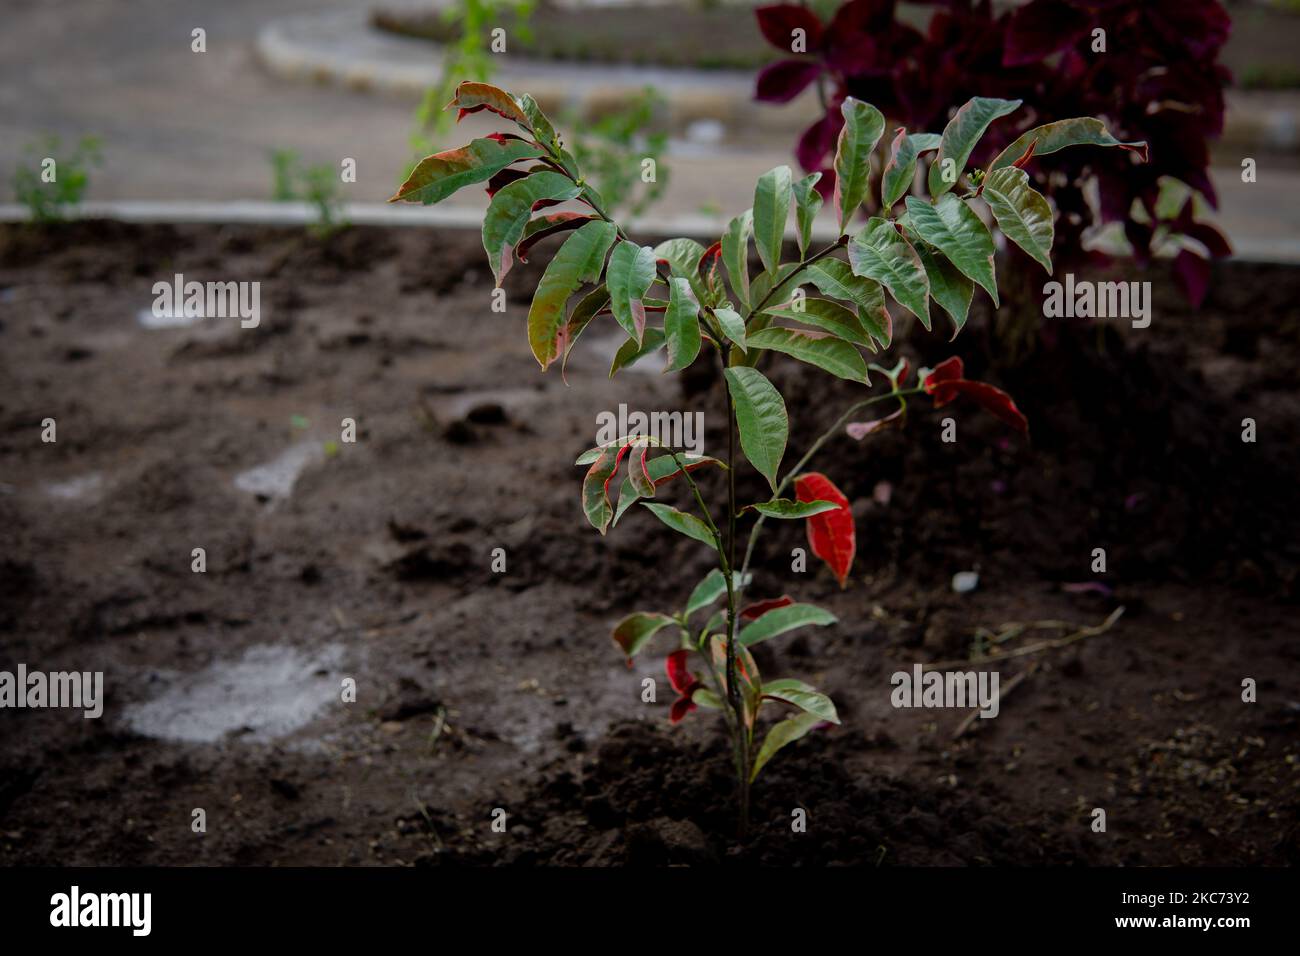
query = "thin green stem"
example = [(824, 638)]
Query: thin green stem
[(816, 447), (816, 257)]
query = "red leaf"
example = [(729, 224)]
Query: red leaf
[(503, 179), (948, 370), (782, 81), (1194, 275), (992, 399), (756, 610), (1028, 154), (678, 675), (1041, 28), (830, 534), (779, 21), (681, 707)]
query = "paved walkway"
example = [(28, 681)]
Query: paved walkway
[(179, 125)]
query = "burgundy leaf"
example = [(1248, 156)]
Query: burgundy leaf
[(779, 21), (782, 81), (756, 610)]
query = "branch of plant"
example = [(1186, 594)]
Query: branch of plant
[(839, 243)]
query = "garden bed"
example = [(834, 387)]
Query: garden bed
[(478, 690)]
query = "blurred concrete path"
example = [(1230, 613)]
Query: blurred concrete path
[(200, 126)]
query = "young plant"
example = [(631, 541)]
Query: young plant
[(293, 180), (688, 301), (1149, 68), (52, 180)]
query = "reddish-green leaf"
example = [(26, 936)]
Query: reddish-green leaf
[(807, 203), (472, 96), (438, 176), (579, 260), (634, 630), (783, 732), (827, 315), (1021, 212), (508, 213), (952, 227), (784, 619), (543, 227), (960, 136), (822, 349), (863, 126), (629, 277), (831, 535), (735, 254), (880, 253), (595, 486), (801, 695), (1051, 137)]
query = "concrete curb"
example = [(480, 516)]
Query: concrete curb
[(702, 227), (342, 48)]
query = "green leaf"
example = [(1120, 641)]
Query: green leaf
[(1052, 137), (924, 142), (960, 136), (595, 486), (683, 257), (438, 176), (835, 278), (783, 619), (706, 592), (733, 326), (682, 522), (735, 254), (509, 211), (630, 274), (816, 348), (762, 420), (660, 469), (629, 353), (879, 252), (539, 124), (952, 227), (783, 732), (633, 631), (801, 695), (771, 210), (703, 697), (863, 126), (952, 290), (807, 203), (681, 326), (900, 169), (581, 317), (1021, 212), (787, 508), (827, 315), (579, 260)]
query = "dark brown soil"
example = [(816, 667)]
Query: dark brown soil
[(478, 691)]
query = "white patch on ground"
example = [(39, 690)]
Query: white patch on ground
[(150, 320), (276, 478), (271, 691), (75, 489)]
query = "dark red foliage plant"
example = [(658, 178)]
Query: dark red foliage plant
[(1148, 68), (694, 302)]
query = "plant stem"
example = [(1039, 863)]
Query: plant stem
[(741, 732), (815, 257)]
